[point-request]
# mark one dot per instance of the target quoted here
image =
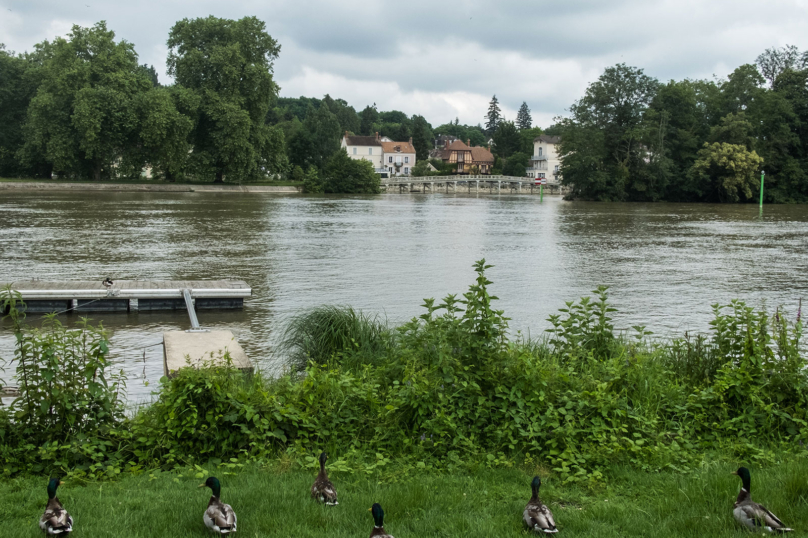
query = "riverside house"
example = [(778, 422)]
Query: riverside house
[(368, 148), (545, 162), (468, 159), (389, 158)]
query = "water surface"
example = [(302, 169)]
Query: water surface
[(665, 263)]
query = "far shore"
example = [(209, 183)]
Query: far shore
[(57, 185)]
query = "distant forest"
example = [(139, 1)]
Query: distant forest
[(83, 107)]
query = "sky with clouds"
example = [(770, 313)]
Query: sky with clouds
[(445, 59)]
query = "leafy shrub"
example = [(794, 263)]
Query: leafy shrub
[(450, 385), (68, 398)]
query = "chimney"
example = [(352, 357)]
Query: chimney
[(377, 135), (346, 134), (489, 148), (410, 140), (468, 142)]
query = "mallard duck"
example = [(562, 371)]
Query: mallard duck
[(536, 515), (378, 520), (754, 515), (219, 517), (55, 520), (323, 490), (107, 282)]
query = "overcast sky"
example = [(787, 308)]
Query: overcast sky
[(445, 59)]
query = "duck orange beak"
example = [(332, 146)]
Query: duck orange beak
[(201, 486), (734, 472)]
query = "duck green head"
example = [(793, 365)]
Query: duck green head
[(746, 478), (213, 483), (323, 459), (535, 485), (378, 514), (52, 485)]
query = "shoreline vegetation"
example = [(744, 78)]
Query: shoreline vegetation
[(281, 187), (446, 390), (81, 106)]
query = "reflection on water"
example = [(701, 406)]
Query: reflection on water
[(666, 263)]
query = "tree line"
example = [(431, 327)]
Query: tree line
[(634, 138), (82, 107)]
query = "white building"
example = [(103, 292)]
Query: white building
[(398, 157), (545, 162), (367, 148), (388, 157)]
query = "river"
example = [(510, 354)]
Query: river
[(665, 263)]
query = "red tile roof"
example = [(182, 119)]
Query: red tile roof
[(404, 147), (481, 155)]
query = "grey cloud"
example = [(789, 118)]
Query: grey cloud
[(544, 52)]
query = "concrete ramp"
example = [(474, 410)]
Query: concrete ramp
[(206, 347)]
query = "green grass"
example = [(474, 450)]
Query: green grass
[(271, 502), (141, 181)]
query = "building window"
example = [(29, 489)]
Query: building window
[(354, 151), (406, 159), (398, 159), (390, 159), (541, 176), (370, 151), (555, 169), (406, 170), (540, 149)]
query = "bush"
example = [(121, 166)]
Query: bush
[(342, 174), (451, 385)]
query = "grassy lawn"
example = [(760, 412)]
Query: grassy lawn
[(271, 502), (151, 182)]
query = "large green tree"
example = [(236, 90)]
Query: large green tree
[(605, 137), (775, 61), (84, 118), (346, 114), (368, 117), (726, 172), (516, 164), (341, 174), (228, 64), (421, 137), (166, 121), (323, 129), (493, 117), (523, 118), (19, 80), (507, 140)]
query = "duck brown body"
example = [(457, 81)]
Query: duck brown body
[(751, 514), (220, 517), (537, 516), (323, 490), (55, 520)]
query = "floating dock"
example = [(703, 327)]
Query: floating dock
[(196, 348), (127, 295), (192, 348)]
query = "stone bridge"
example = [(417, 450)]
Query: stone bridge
[(468, 184)]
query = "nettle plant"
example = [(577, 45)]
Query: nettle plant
[(66, 387)]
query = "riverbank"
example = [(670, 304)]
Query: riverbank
[(132, 186), (273, 500)]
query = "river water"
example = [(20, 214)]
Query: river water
[(665, 263)]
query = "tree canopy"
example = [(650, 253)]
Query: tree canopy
[(228, 64), (493, 117), (632, 138), (523, 118)]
